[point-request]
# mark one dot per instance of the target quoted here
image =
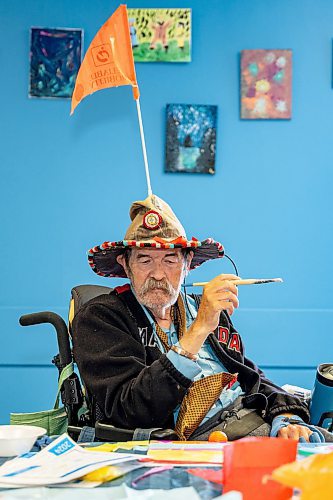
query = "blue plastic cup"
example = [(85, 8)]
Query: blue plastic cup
[(321, 405)]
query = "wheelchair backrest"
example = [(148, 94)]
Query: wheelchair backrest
[(80, 295)]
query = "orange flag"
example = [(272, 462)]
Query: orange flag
[(108, 61)]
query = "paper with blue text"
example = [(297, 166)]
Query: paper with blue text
[(61, 461)]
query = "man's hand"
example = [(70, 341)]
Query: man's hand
[(218, 295), (286, 426), (294, 431)]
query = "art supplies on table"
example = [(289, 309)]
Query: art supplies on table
[(185, 453)]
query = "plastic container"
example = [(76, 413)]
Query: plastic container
[(321, 406), (249, 462), (18, 439)]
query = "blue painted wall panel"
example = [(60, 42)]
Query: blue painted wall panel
[(27, 345), (286, 337), (67, 183), (26, 389), (299, 377)]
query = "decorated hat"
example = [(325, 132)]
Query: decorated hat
[(154, 225)]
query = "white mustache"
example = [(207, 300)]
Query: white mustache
[(153, 284)]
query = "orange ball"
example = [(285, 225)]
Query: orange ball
[(218, 437)]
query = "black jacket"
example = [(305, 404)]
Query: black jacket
[(135, 385)]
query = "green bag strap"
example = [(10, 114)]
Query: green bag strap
[(65, 373)]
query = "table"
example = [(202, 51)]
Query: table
[(177, 477)]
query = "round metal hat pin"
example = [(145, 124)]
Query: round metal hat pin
[(152, 220)]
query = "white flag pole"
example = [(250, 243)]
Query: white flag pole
[(144, 150), (137, 100)]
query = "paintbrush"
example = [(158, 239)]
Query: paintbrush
[(251, 281)]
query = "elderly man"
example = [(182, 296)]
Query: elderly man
[(152, 356)]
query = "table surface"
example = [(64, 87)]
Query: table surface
[(177, 477), (171, 479)]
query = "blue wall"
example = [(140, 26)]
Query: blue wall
[(67, 183)]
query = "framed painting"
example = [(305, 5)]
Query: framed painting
[(266, 77), (160, 35), (55, 58), (191, 138)]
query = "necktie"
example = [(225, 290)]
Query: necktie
[(203, 393)]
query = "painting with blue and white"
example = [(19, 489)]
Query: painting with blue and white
[(191, 138), (55, 58)]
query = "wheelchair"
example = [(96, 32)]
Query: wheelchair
[(85, 417)]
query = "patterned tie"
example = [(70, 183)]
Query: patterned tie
[(203, 393)]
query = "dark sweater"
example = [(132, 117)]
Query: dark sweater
[(135, 385)]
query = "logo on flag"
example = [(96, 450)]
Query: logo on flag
[(101, 55)]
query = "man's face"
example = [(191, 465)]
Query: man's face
[(156, 275)]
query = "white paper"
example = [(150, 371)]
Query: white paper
[(43, 493), (173, 494), (61, 461), (116, 493), (231, 495)]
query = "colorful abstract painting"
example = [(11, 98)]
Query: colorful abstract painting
[(266, 84), (55, 58), (191, 138), (160, 34)]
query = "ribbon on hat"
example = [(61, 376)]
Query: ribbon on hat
[(177, 241)]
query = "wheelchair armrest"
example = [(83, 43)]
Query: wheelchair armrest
[(164, 434), (103, 432), (108, 432)]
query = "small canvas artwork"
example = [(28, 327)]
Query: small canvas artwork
[(160, 35), (55, 58), (191, 138), (266, 84)]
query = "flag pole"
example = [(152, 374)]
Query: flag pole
[(117, 30), (143, 142), (136, 95)]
